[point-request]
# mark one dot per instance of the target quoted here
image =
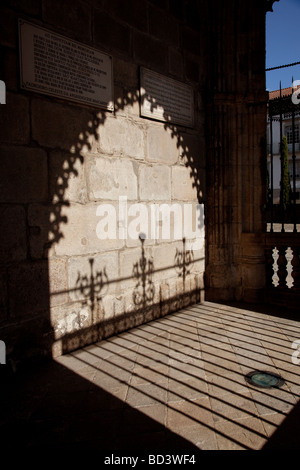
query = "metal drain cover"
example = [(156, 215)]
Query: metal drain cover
[(264, 379)]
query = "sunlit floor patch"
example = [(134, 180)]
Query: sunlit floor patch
[(211, 374), (174, 384)]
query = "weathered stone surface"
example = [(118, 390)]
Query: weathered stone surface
[(109, 32), (131, 12), (67, 178), (108, 307), (129, 305), (74, 17), (58, 286), (121, 137), (56, 180), (24, 175), (192, 149), (119, 306), (79, 232), (162, 147), (173, 299), (28, 289), (169, 224), (175, 63), (58, 125), (183, 186), (126, 91), (163, 27), (39, 222), (110, 179), (166, 259), (13, 243), (48, 286), (131, 270), (68, 319), (126, 74), (140, 221), (155, 183), (15, 120), (198, 260), (254, 275), (164, 297), (146, 47), (127, 102), (90, 278)]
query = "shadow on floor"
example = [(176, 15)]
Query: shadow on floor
[(280, 311), (50, 407), (287, 435), (190, 364)]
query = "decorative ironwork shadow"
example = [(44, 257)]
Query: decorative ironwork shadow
[(184, 260), (91, 286), (143, 270)]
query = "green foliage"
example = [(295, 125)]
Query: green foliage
[(285, 194), (268, 202)]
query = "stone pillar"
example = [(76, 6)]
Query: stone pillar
[(237, 109)]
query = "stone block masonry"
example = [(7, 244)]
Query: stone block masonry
[(64, 282), (61, 162)]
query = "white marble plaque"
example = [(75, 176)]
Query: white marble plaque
[(58, 66), (165, 99)]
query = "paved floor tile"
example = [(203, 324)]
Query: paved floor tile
[(191, 389), (224, 384), (176, 383), (246, 433), (233, 406)]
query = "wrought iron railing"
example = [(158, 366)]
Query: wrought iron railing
[(282, 239), (283, 212)]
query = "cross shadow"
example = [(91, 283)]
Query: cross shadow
[(48, 228), (43, 184), (143, 271), (184, 260), (91, 287), (42, 179)]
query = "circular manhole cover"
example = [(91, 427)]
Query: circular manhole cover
[(264, 379)]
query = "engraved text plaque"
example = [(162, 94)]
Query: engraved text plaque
[(58, 66), (165, 99)]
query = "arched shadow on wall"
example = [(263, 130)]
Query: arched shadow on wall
[(30, 285), (37, 286), (89, 140), (34, 290)]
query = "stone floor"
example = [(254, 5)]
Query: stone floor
[(175, 384)]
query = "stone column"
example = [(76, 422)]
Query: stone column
[(236, 128)]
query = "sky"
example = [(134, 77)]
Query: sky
[(283, 43)]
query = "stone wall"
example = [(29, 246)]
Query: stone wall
[(61, 285)]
